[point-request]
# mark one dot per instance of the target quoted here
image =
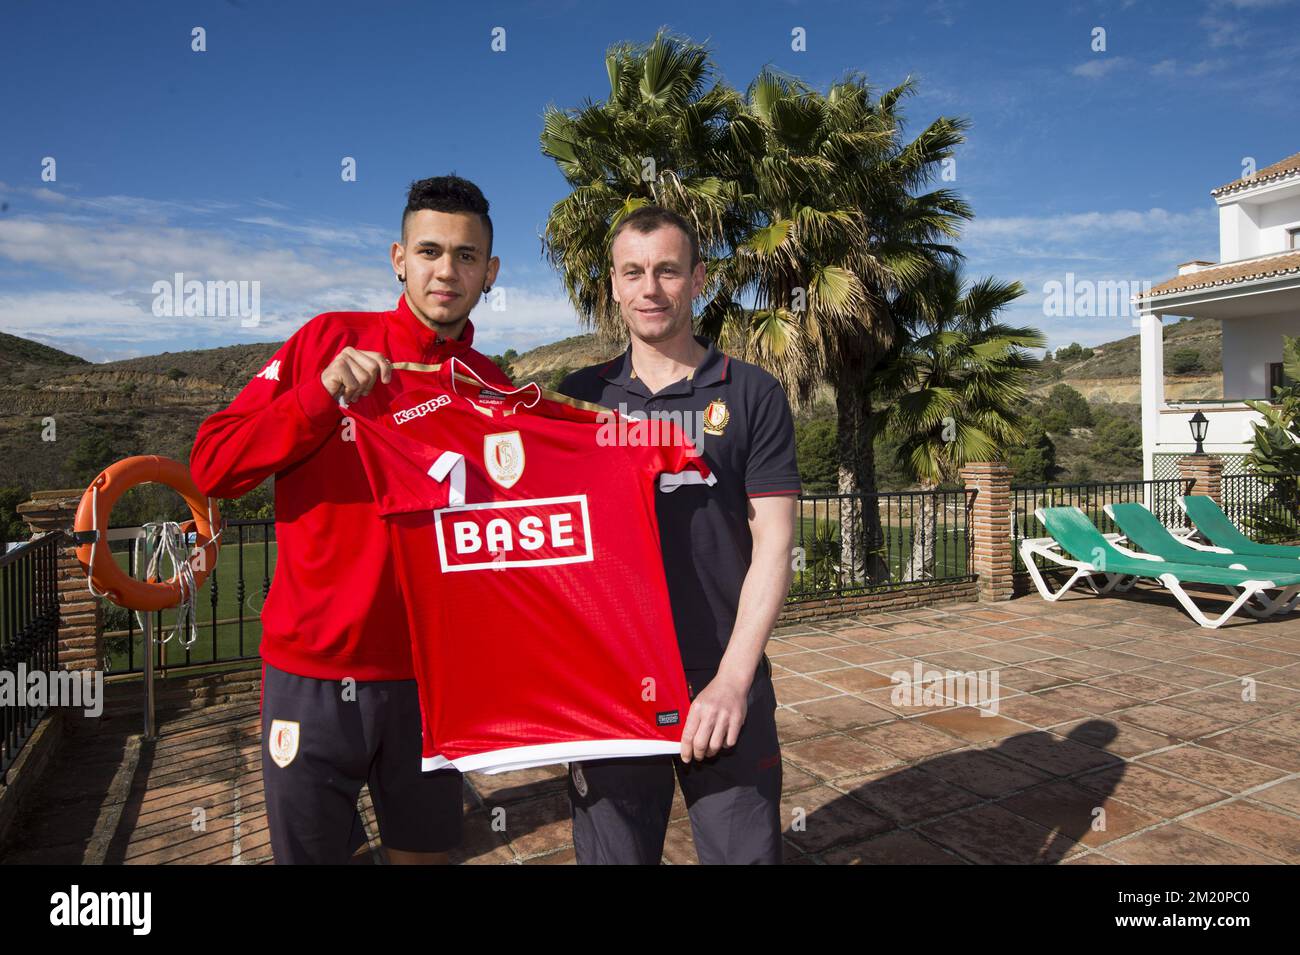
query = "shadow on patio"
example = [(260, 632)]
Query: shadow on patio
[(1124, 734)]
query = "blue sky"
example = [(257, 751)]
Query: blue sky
[(225, 165)]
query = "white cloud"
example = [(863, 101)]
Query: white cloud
[(1100, 66), (531, 317)]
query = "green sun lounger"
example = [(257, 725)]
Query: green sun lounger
[(1221, 532), (1076, 543), (1142, 528)]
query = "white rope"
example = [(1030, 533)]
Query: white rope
[(170, 545), (94, 523)]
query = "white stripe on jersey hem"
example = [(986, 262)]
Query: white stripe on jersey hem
[(671, 482), (451, 461), (544, 754)]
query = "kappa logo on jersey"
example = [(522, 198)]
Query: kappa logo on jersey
[(420, 410), (494, 536), (503, 455), (271, 372), (283, 743)]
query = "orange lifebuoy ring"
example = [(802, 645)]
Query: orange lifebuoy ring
[(91, 527)]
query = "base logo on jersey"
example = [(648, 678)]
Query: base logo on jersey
[(716, 416), (668, 718), (283, 743), (498, 536), (503, 455)]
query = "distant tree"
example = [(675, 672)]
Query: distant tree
[(552, 380), (505, 362), (814, 437), (1073, 352), (257, 504), (1081, 472), (1034, 460), (12, 527), (92, 454), (1064, 408), (1184, 360), (175, 374), (1117, 440)]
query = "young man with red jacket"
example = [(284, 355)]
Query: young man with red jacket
[(339, 701)]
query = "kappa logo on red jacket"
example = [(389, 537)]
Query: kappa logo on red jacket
[(499, 535), (271, 372)]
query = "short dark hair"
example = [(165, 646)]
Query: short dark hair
[(648, 219), (447, 194)]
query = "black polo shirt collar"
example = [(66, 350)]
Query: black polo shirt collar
[(711, 370)]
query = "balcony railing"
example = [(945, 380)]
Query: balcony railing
[(29, 633), (227, 611), (856, 543)]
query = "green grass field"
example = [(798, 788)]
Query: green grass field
[(949, 550)]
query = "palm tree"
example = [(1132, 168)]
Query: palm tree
[(808, 209), (955, 381), (836, 234), (664, 136)]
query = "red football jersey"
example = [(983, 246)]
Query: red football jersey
[(527, 549)]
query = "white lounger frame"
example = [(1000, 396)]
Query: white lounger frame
[(1049, 549)]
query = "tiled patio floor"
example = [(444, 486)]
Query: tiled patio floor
[(1121, 736)]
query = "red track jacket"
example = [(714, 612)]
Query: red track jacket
[(334, 609)]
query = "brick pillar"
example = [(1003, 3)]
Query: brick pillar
[(991, 526), (1207, 471), (81, 624)]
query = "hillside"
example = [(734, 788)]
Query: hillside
[(62, 418), (1113, 373), (568, 354)]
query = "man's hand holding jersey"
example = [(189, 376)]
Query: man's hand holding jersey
[(353, 373)]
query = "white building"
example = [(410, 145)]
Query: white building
[(1254, 289)]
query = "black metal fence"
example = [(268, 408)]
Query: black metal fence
[(228, 609), (29, 635), (852, 543), (1091, 497), (1264, 506)]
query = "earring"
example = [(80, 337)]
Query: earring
[(401, 278), (486, 289)]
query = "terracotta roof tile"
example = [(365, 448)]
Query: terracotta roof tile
[(1279, 170), (1230, 274)]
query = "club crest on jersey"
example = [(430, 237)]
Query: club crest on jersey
[(716, 416), (503, 456), (283, 743)]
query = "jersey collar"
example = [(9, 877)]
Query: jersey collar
[(432, 348), (712, 369), (461, 380)]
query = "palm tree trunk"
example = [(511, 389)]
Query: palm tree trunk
[(861, 534), (925, 530)]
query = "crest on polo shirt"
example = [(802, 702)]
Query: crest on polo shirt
[(716, 416), (283, 743), (503, 456)]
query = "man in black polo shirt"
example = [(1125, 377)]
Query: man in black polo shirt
[(727, 557)]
